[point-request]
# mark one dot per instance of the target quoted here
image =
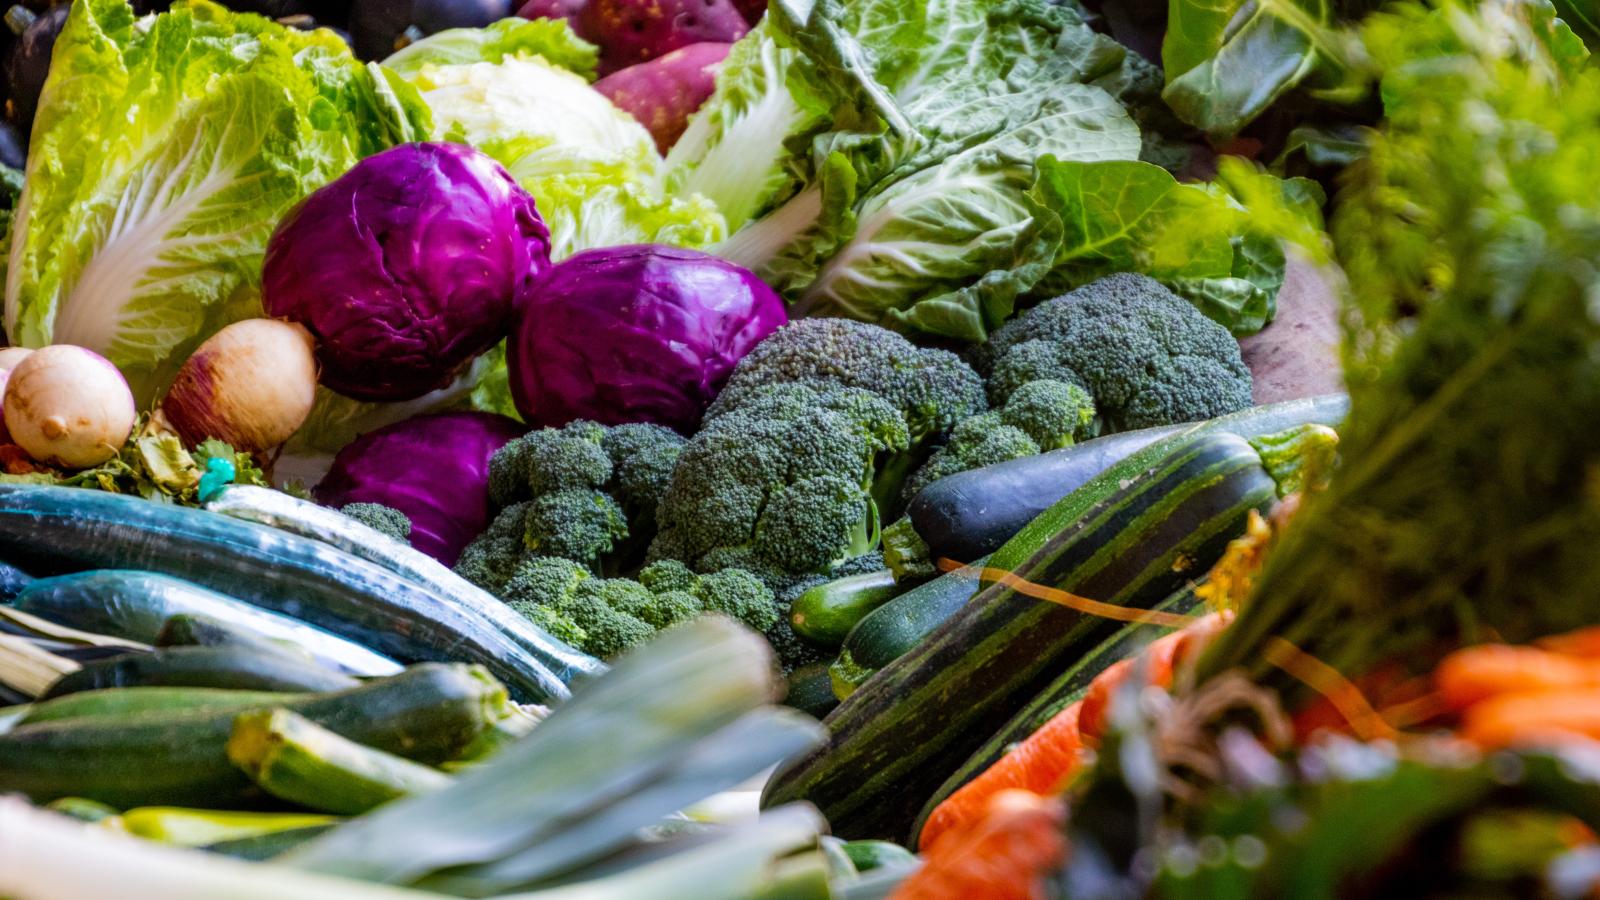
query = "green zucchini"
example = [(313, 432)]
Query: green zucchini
[(1067, 688), (233, 668), (136, 605), (826, 613), (897, 627), (128, 701), (811, 690), (295, 759), (427, 714), (841, 867), (869, 855), (56, 529), (200, 827), (901, 735)]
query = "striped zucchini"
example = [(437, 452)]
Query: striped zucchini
[(1067, 688), (136, 605), (902, 733), (62, 529)]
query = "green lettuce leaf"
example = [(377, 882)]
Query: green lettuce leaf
[(914, 210), (549, 39), (737, 149), (164, 152), (1206, 244)]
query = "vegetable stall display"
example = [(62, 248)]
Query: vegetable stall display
[(809, 449)]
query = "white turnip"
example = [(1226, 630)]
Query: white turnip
[(251, 384), (69, 407)]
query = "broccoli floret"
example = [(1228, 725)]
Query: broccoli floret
[(979, 441), (384, 519), (557, 625), (608, 630), (577, 524), (542, 581), (782, 481), (666, 575), (931, 389), (642, 458), (1055, 414), (558, 459), (537, 586), (588, 491), (488, 561), (670, 608), (739, 595), (1147, 356)]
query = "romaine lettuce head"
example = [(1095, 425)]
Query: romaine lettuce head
[(165, 150)]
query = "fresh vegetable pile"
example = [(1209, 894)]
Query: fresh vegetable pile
[(813, 449)]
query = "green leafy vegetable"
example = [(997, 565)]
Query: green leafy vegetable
[(549, 39), (164, 152), (154, 465)]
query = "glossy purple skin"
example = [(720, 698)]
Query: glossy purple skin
[(406, 267), (636, 334), (435, 469), (553, 9)]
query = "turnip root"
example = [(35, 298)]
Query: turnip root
[(69, 407), (630, 32), (663, 93), (251, 384)]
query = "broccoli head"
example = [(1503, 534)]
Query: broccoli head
[(1146, 356), (666, 575), (607, 616), (781, 482), (931, 389), (739, 595), (384, 519), (584, 491)]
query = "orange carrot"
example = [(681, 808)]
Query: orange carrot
[(1473, 674), (1162, 659), (1003, 855), (1583, 642), (1041, 764), (1533, 719)]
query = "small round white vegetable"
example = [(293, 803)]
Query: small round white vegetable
[(68, 407), (251, 384), (10, 356)]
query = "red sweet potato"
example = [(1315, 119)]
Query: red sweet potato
[(663, 93), (630, 32)]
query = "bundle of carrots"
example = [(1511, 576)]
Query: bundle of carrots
[(1540, 694), (1045, 762), (1004, 853)]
